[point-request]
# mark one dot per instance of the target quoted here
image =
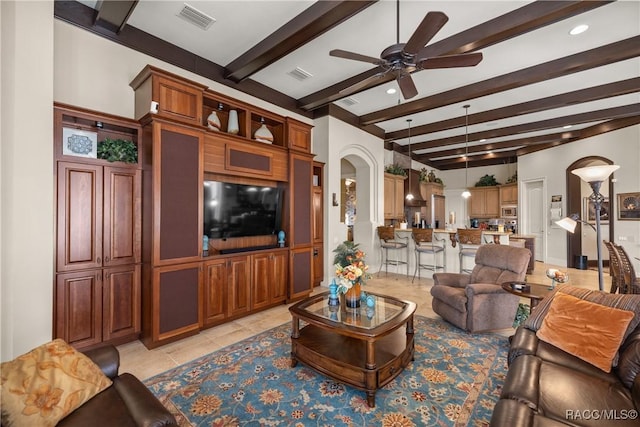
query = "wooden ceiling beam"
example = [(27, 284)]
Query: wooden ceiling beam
[(595, 93), (593, 58), (113, 15), (591, 116), (317, 19), (530, 17)]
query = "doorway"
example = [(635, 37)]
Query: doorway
[(533, 216)]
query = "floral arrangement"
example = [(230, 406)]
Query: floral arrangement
[(351, 268)]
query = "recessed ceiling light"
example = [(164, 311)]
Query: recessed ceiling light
[(391, 91), (579, 29), (566, 127)]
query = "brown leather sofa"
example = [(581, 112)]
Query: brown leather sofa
[(127, 402), (546, 386)]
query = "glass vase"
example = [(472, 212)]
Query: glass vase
[(352, 296)]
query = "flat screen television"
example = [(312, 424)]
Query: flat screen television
[(238, 210)]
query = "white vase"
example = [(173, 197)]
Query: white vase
[(263, 134), (233, 127), (213, 121)]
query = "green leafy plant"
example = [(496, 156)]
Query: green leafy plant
[(395, 169), (487, 181), (118, 150)]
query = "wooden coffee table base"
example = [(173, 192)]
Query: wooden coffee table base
[(367, 365)]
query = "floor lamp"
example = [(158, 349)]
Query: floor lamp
[(594, 176)]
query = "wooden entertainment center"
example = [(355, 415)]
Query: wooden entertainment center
[(180, 287)]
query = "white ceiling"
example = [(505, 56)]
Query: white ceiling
[(241, 25)]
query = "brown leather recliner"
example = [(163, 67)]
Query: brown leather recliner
[(476, 302), (127, 402)]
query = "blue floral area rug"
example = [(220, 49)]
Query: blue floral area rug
[(455, 380)]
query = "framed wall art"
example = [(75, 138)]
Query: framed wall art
[(590, 211), (79, 143), (629, 206)]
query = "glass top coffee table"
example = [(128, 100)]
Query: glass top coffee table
[(364, 347)]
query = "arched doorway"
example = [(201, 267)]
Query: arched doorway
[(576, 204), (363, 169)]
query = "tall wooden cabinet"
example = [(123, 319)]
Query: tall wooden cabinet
[(98, 230), (172, 212), (186, 287)]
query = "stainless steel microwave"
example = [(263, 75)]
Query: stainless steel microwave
[(509, 212)]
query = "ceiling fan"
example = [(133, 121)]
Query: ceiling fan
[(401, 59)]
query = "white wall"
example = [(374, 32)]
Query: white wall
[(26, 177), (622, 147)]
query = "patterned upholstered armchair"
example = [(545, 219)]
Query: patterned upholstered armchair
[(476, 302)]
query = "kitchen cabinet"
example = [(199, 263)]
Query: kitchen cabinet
[(509, 194), (393, 196), (484, 202)]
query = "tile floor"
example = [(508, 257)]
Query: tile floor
[(144, 363)]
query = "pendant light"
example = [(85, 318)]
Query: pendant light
[(409, 195), (466, 193)]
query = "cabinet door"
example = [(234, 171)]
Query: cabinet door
[(239, 285), (178, 199), (261, 280), (178, 100), (121, 302), (476, 203), (492, 202), (280, 271), (176, 298), (399, 199), (298, 135), (78, 308), (215, 292), (300, 273), (79, 216), (121, 216), (300, 182), (389, 197)]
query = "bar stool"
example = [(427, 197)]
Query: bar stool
[(426, 243), (389, 241), (469, 240)]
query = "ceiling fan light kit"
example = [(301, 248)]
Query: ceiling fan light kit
[(402, 59)]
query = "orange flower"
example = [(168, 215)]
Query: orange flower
[(43, 400)]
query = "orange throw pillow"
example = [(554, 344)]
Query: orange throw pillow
[(589, 331)]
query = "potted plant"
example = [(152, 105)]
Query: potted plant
[(118, 150), (395, 169), (487, 181)]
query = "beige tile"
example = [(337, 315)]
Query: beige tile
[(144, 363)]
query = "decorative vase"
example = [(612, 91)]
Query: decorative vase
[(263, 134), (333, 294), (233, 127), (352, 296), (213, 122)]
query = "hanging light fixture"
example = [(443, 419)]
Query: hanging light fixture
[(466, 193), (409, 195)]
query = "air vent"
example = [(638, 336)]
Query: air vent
[(300, 74), (197, 18), (349, 101)]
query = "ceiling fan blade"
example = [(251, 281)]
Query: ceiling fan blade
[(450, 61), (339, 53), (407, 87), (361, 84), (430, 25)]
